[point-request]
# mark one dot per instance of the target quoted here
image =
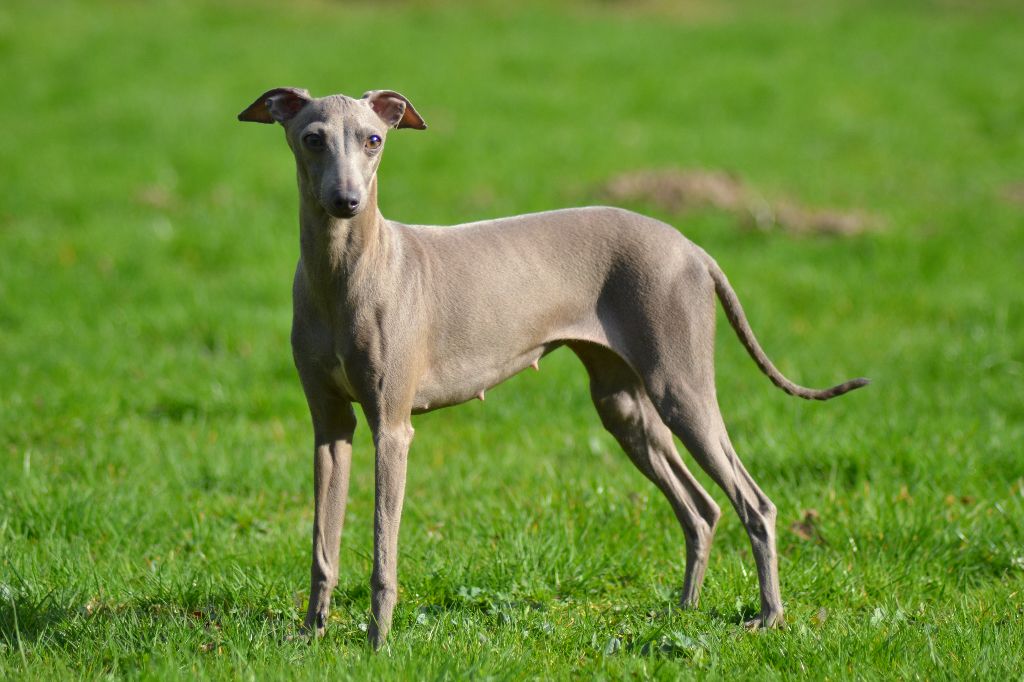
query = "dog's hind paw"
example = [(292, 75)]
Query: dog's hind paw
[(766, 619)]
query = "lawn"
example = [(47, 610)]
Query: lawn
[(155, 449)]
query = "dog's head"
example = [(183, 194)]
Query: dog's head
[(337, 140)]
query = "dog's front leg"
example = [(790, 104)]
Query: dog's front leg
[(392, 441), (334, 422)]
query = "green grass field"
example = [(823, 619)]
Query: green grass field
[(155, 451)]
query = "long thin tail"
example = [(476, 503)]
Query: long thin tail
[(738, 320)]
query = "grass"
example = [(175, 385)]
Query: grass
[(155, 475)]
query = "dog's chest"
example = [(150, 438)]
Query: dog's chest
[(340, 376), (329, 350)]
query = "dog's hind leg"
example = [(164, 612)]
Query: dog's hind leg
[(628, 414), (693, 415), (671, 345)]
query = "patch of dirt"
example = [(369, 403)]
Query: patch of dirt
[(679, 191), (155, 196), (1013, 193), (807, 527)]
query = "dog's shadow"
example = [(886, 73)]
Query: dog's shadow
[(27, 618), (65, 619), (24, 619)]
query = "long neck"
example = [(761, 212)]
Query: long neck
[(338, 253)]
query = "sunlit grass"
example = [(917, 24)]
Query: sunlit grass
[(155, 473)]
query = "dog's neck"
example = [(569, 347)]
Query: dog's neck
[(340, 253)]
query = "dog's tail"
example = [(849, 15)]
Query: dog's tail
[(738, 320)]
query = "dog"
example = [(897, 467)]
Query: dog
[(405, 319)]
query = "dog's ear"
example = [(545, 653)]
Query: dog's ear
[(279, 104), (394, 109)]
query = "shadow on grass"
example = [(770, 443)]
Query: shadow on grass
[(203, 620), (745, 613), (23, 619), (66, 619)]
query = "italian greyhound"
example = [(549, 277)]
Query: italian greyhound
[(405, 319)]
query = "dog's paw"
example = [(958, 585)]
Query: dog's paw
[(313, 628), (376, 637), (771, 620), (304, 635)]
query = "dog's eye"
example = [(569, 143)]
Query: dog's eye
[(314, 141), (373, 142)]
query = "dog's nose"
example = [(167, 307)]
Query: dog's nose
[(346, 203)]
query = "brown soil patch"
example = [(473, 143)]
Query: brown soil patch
[(807, 527), (679, 191), (155, 196), (1013, 193)]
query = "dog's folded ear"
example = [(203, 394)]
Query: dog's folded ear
[(394, 109), (279, 104)]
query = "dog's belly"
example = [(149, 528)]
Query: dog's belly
[(458, 382), (459, 379)]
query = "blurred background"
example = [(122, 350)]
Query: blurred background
[(856, 167)]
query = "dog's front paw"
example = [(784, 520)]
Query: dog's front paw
[(314, 627), (304, 634), (376, 636)]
